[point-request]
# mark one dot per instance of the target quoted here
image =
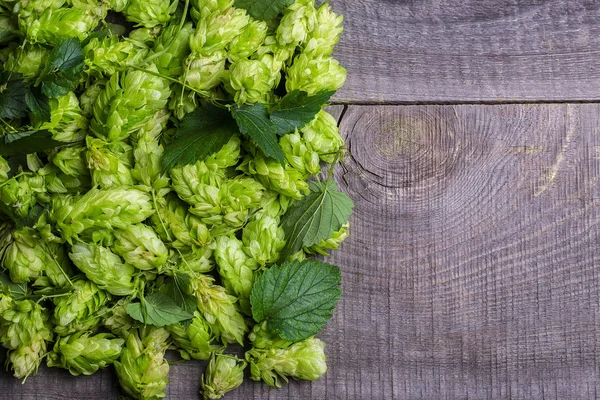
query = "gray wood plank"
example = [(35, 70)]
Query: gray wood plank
[(469, 50), (472, 267)]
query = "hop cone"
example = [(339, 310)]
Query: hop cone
[(249, 81), (107, 56), (298, 20), (128, 101), (330, 244), (313, 75), (194, 340), (236, 269), (219, 309), (24, 331), (142, 368), (141, 247), (172, 48), (81, 309), (20, 193), (99, 211), (29, 258), (263, 239), (215, 31), (118, 321), (303, 360), (204, 72), (104, 268), (285, 180), (150, 13), (261, 338), (84, 354), (300, 155), (110, 163), (326, 32), (223, 374), (27, 60), (248, 42), (323, 136)]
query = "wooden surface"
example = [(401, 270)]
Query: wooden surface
[(470, 50), (472, 270)]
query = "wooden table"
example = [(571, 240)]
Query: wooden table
[(473, 131)]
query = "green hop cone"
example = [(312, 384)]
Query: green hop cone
[(216, 30), (90, 95), (248, 42), (326, 33), (172, 48), (147, 153), (204, 72), (20, 193), (300, 155), (176, 226), (25, 331), (330, 244), (71, 161), (273, 205), (323, 136), (81, 309), (263, 239), (99, 211), (195, 340), (302, 360), (27, 60), (204, 8), (84, 354), (261, 338), (117, 320), (196, 259), (236, 269), (181, 103), (67, 122), (28, 258), (142, 369), (107, 56), (141, 247), (104, 268), (109, 163), (313, 75), (218, 307), (298, 20), (128, 101), (249, 81), (150, 13), (54, 24), (285, 180), (223, 374)]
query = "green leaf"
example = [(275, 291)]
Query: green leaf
[(253, 121), (17, 291), (38, 105), (297, 109), (55, 86), (296, 299), (202, 133), (66, 58), (175, 288), (63, 67), (159, 310), (316, 217), (19, 143), (12, 96), (263, 9)]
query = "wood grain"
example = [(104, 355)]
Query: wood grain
[(472, 267), (469, 50)]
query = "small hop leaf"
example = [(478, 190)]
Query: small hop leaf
[(296, 299), (263, 9), (253, 121)]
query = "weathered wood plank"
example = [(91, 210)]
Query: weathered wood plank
[(469, 50), (472, 267)]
